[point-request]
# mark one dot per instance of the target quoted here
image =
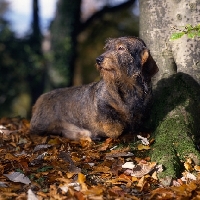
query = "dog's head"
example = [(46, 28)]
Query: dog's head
[(126, 58)]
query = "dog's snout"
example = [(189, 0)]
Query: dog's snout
[(99, 60)]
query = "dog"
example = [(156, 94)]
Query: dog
[(116, 104)]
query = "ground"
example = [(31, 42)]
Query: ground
[(51, 167)]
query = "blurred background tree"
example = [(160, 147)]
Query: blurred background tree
[(11, 63), (36, 63), (21, 66), (78, 33)]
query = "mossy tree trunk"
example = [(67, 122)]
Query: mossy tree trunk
[(176, 110), (176, 123)]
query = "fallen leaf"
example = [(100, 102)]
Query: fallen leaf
[(75, 185), (154, 175), (81, 178), (106, 144), (134, 179), (86, 142), (79, 195), (143, 147), (142, 169), (128, 165), (125, 177), (101, 169), (31, 195), (188, 175), (197, 168), (64, 188), (95, 190), (116, 191), (41, 146), (119, 154), (3, 185), (54, 141), (9, 156), (18, 177), (159, 168), (143, 140), (141, 182), (162, 193), (188, 164)]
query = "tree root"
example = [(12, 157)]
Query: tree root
[(176, 122)]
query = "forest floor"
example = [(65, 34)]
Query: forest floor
[(34, 167)]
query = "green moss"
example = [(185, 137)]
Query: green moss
[(175, 122)]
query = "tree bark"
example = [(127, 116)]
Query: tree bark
[(176, 124), (157, 19), (176, 86)]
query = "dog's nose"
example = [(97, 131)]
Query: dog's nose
[(99, 60)]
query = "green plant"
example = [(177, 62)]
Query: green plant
[(189, 30)]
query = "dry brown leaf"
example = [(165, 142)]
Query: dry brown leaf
[(54, 141), (95, 190), (81, 178), (64, 180), (162, 193), (79, 195), (143, 147), (105, 145), (188, 164), (123, 176), (197, 168), (134, 179), (86, 142), (118, 154), (154, 175), (142, 169), (141, 183), (101, 169), (119, 181), (42, 194), (152, 141), (70, 174), (9, 156), (116, 191), (7, 195)]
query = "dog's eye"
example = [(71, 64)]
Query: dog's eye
[(121, 48)]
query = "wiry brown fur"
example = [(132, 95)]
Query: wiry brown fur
[(107, 108)]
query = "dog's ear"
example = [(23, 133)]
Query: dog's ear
[(149, 67)]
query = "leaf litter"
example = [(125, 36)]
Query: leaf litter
[(34, 167)]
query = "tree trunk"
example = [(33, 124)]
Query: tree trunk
[(36, 71), (176, 124), (157, 19), (176, 86), (36, 36), (64, 30)]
